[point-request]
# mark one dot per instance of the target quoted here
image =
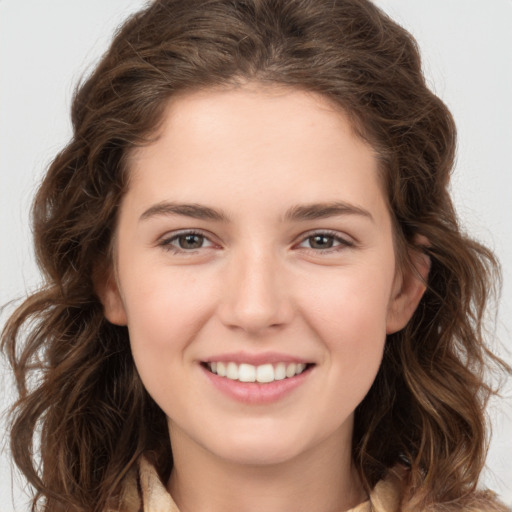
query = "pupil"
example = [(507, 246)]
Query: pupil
[(321, 242), (191, 241)]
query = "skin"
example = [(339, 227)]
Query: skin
[(258, 283)]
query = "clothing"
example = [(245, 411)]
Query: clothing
[(145, 492)]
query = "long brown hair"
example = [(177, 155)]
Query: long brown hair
[(83, 416)]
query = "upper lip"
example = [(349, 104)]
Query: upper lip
[(256, 359)]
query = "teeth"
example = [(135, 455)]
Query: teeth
[(280, 371), (263, 373), (232, 371), (221, 369), (290, 370), (247, 372)]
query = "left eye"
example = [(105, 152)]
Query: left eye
[(322, 241)]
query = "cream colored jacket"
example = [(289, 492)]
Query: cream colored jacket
[(144, 492)]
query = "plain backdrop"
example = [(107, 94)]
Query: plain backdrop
[(46, 46)]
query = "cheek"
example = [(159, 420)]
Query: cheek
[(165, 310), (165, 302), (352, 300), (348, 314)]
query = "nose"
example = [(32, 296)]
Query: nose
[(254, 296)]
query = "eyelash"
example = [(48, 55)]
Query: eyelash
[(336, 238), (166, 243), (343, 243)]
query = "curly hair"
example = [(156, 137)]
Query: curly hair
[(83, 416)]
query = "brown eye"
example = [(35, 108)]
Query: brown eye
[(190, 241), (321, 241), (325, 242), (186, 242)]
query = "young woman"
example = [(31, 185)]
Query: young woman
[(257, 295)]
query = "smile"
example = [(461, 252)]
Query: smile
[(264, 373)]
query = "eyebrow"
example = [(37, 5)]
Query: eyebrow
[(296, 213), (324, 210), (195, 211)]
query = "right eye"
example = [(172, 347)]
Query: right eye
[(188, 241)]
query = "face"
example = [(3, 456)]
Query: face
[(256, 272)]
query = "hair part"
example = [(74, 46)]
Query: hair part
[(85, 398)]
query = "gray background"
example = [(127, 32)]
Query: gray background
[(467, 48)]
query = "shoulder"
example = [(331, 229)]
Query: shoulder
[(130, 499), (479, 501), (387, 496), (143, 490)]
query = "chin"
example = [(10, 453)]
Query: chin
[(264, 443), (259, 452)]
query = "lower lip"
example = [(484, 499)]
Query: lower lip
[(256, 392)]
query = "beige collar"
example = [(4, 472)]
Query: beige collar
[(145, 492)]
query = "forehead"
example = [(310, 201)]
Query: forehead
[(265, 113), (273, 142)]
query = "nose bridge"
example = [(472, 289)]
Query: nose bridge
[(254, 297)]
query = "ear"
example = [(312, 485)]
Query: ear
[(410, 285), (107, 290)]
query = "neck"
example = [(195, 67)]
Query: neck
[(322, 479)]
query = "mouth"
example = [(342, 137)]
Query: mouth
[(263, 373)]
